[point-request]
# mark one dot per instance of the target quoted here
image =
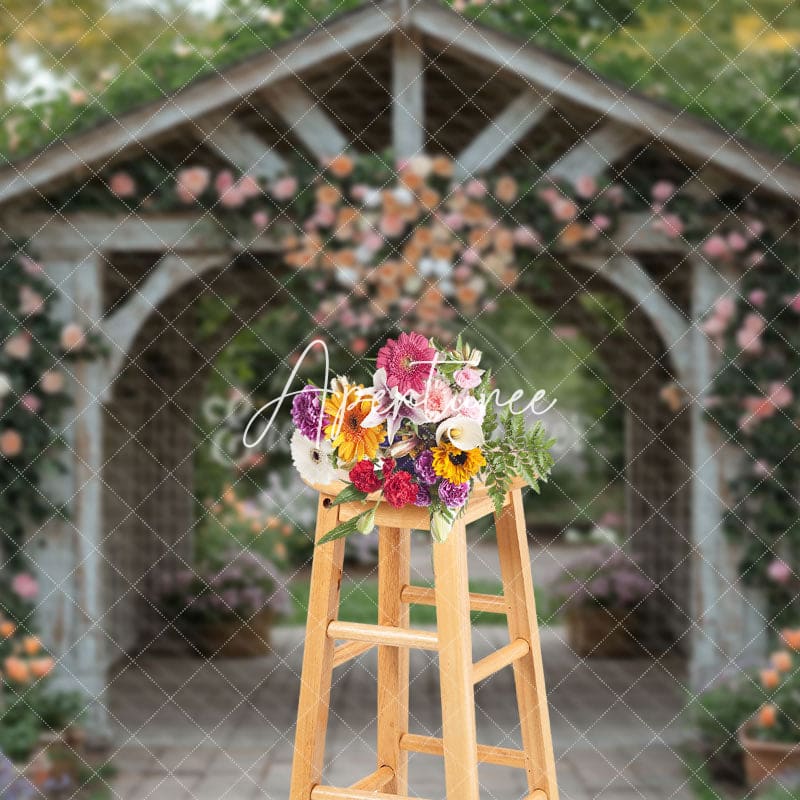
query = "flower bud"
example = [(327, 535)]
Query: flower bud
[(440, 527), (366, 523)]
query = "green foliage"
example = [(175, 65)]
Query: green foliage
[(517, 452)]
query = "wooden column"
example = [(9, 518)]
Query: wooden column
[(730, 623)]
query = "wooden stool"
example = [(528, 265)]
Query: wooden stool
[(453, 641)]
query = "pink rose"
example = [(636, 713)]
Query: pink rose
[(725, 307), (122, 185), (601, 222), (615, 194), (780, 395), (19, 345), (30, 302), (715, 247), (662, 191), (586, 187), (454, 221), (470, 407), (755, 259), (761, 468), (468, 377), (737, 242), (223, 182), (191, 183), (284, 189), (794, 303), (779, 571), (31, 403), (324, 216), (757, 297), (260, 219), (392, 225), (755, 227), (475, 189), (670, 225), (30, 266), (25, 586), (249, 187), (526, 236), (564, 210)]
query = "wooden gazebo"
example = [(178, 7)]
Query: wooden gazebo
[(411, 77)]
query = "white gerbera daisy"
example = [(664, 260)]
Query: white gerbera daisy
[(312, 462)]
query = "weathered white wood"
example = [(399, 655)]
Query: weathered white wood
[(597, 152), (240, 146), (635, 233), (731, 626), (463, 38), (110, 139), (91, 658), (147, 233), (502, 134), (408, 93), (630, 277), (172, 272), (307, 120)]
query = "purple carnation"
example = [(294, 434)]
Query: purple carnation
[(423, 496), (306, 412), (423, 466), (453, 495)]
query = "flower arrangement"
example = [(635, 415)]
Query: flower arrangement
[(421, 435)]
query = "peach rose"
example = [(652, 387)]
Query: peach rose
[(767, 716), (770, 678), (122, 185), (782, 661), (792, 637), (341, 166), (19, 345), (7, 628), (30, 302), (41, 667), (16, 670), (72, 337), (31, 645), (10, 443), (506, 189), (52, 381)]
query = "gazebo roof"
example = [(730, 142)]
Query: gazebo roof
[(554, 78)]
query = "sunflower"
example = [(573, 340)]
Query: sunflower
[(347, 409), (457, 466)]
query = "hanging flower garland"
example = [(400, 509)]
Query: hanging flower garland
[(383, 245), (35, 353)]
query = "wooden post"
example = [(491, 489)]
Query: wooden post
[(459, 732), (315, 681), (515, 568), (394, 572), (408, 95)]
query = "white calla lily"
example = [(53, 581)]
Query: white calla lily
[(462, 432)]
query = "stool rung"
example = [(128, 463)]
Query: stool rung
[(332, 793), (375, 781), (494, 662), (383, 634), (487, 754), (347, 652), (424, 596)]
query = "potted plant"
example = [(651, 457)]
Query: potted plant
[(771, 739), (226, 609), (601, 593)]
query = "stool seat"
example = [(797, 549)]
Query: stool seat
[(452, 642)]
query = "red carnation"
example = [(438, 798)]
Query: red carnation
[(399, 489), (364, 478), (387, 467)]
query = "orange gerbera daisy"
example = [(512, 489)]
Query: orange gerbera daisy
[(347, 409)]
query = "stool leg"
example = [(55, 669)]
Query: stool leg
[(394, 572), (515, 566), (315, 682), (459, 734)]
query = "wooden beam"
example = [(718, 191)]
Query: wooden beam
[(104, 143), (597, 152), (307, 120), (145, 232), (464, 39), (408, 95), (631, 278), (172, 272), (502, 134), (239, 146)]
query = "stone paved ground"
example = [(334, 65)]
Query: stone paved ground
[(222, 730)]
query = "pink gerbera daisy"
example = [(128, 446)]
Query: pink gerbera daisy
[(405, 362)]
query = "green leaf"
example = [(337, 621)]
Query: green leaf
[(344, 528), (348, 495)]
